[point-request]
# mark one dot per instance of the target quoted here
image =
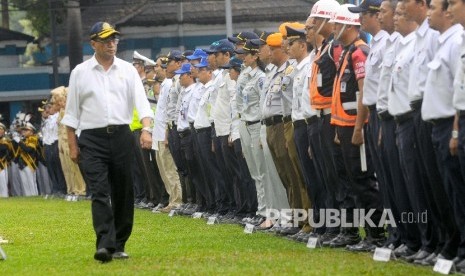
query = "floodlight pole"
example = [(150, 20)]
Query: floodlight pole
[(228, 14), (54, 45)]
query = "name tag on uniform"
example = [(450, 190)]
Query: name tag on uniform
[(319, 80), (343, 87)]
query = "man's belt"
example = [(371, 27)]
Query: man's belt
[(385, 115), (110, 129), (184, 133), (403, 117), (273, 120), (287, 119), (416, 105), (200, 130), (311, 120), (249, 123)]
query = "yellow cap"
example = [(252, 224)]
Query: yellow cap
[(275, 40), (295, 25)]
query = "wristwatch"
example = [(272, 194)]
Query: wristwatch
[(148, 129), (455, 134)]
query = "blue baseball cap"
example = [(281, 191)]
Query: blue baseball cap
[(233, 62), (367, 5), (102, 30), (203, 63), (185, 68), (249, 47), (175, 55), (222, 45), (198, 54), (242, 37)]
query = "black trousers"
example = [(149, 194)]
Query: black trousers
[(223, 199), (363, 188), (174, 144), (52, 161), (194, 176), (319, 194), (334, 173), (148, 185), (395, 194), (106, 160), (140, 181), (248, 183), (238, 189), (460, 191), (380, 164), (433, 185), (312, 177), (209, 167), (454, 185)]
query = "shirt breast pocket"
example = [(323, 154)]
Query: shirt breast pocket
[(434, 67), (421, 60)]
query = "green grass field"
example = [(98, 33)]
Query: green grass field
[(55, 237)]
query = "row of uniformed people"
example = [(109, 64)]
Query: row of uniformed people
[(410, 168), (407, 89)]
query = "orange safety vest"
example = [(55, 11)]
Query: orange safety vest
[(338, 115), (318, 101)]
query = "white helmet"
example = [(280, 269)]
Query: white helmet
[(344, 16), (324, 8)]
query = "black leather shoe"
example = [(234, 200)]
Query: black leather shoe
[(326, 238), (103, 255), (343, 240), (403, 251), (289, 231), (362, 246), (420, 255), (460, 266), (428, 261)]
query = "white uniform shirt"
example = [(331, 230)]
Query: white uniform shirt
[(222, 109), (270, 70), (50, 129), (242, 80), (159, 128), (439, 89), (426, 42), (373, 68), (307, 109), (203, 117), (197, 93), (251, 95), (99, 98), (300, 88), (459, 81), (398, 101), (185, 99), (386, 71)]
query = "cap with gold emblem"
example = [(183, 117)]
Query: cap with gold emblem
[(102, 30)]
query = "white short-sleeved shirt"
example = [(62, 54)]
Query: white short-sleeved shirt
[(185, 99), (300, 87), (389, 56), (373, 68), (459, 80), (398, 100), (439, 88), (203, 118), (426, 44)]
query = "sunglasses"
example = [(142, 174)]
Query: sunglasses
[(107, 41)]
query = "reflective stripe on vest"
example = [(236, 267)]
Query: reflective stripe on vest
[(338, 115), (318, 101)]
